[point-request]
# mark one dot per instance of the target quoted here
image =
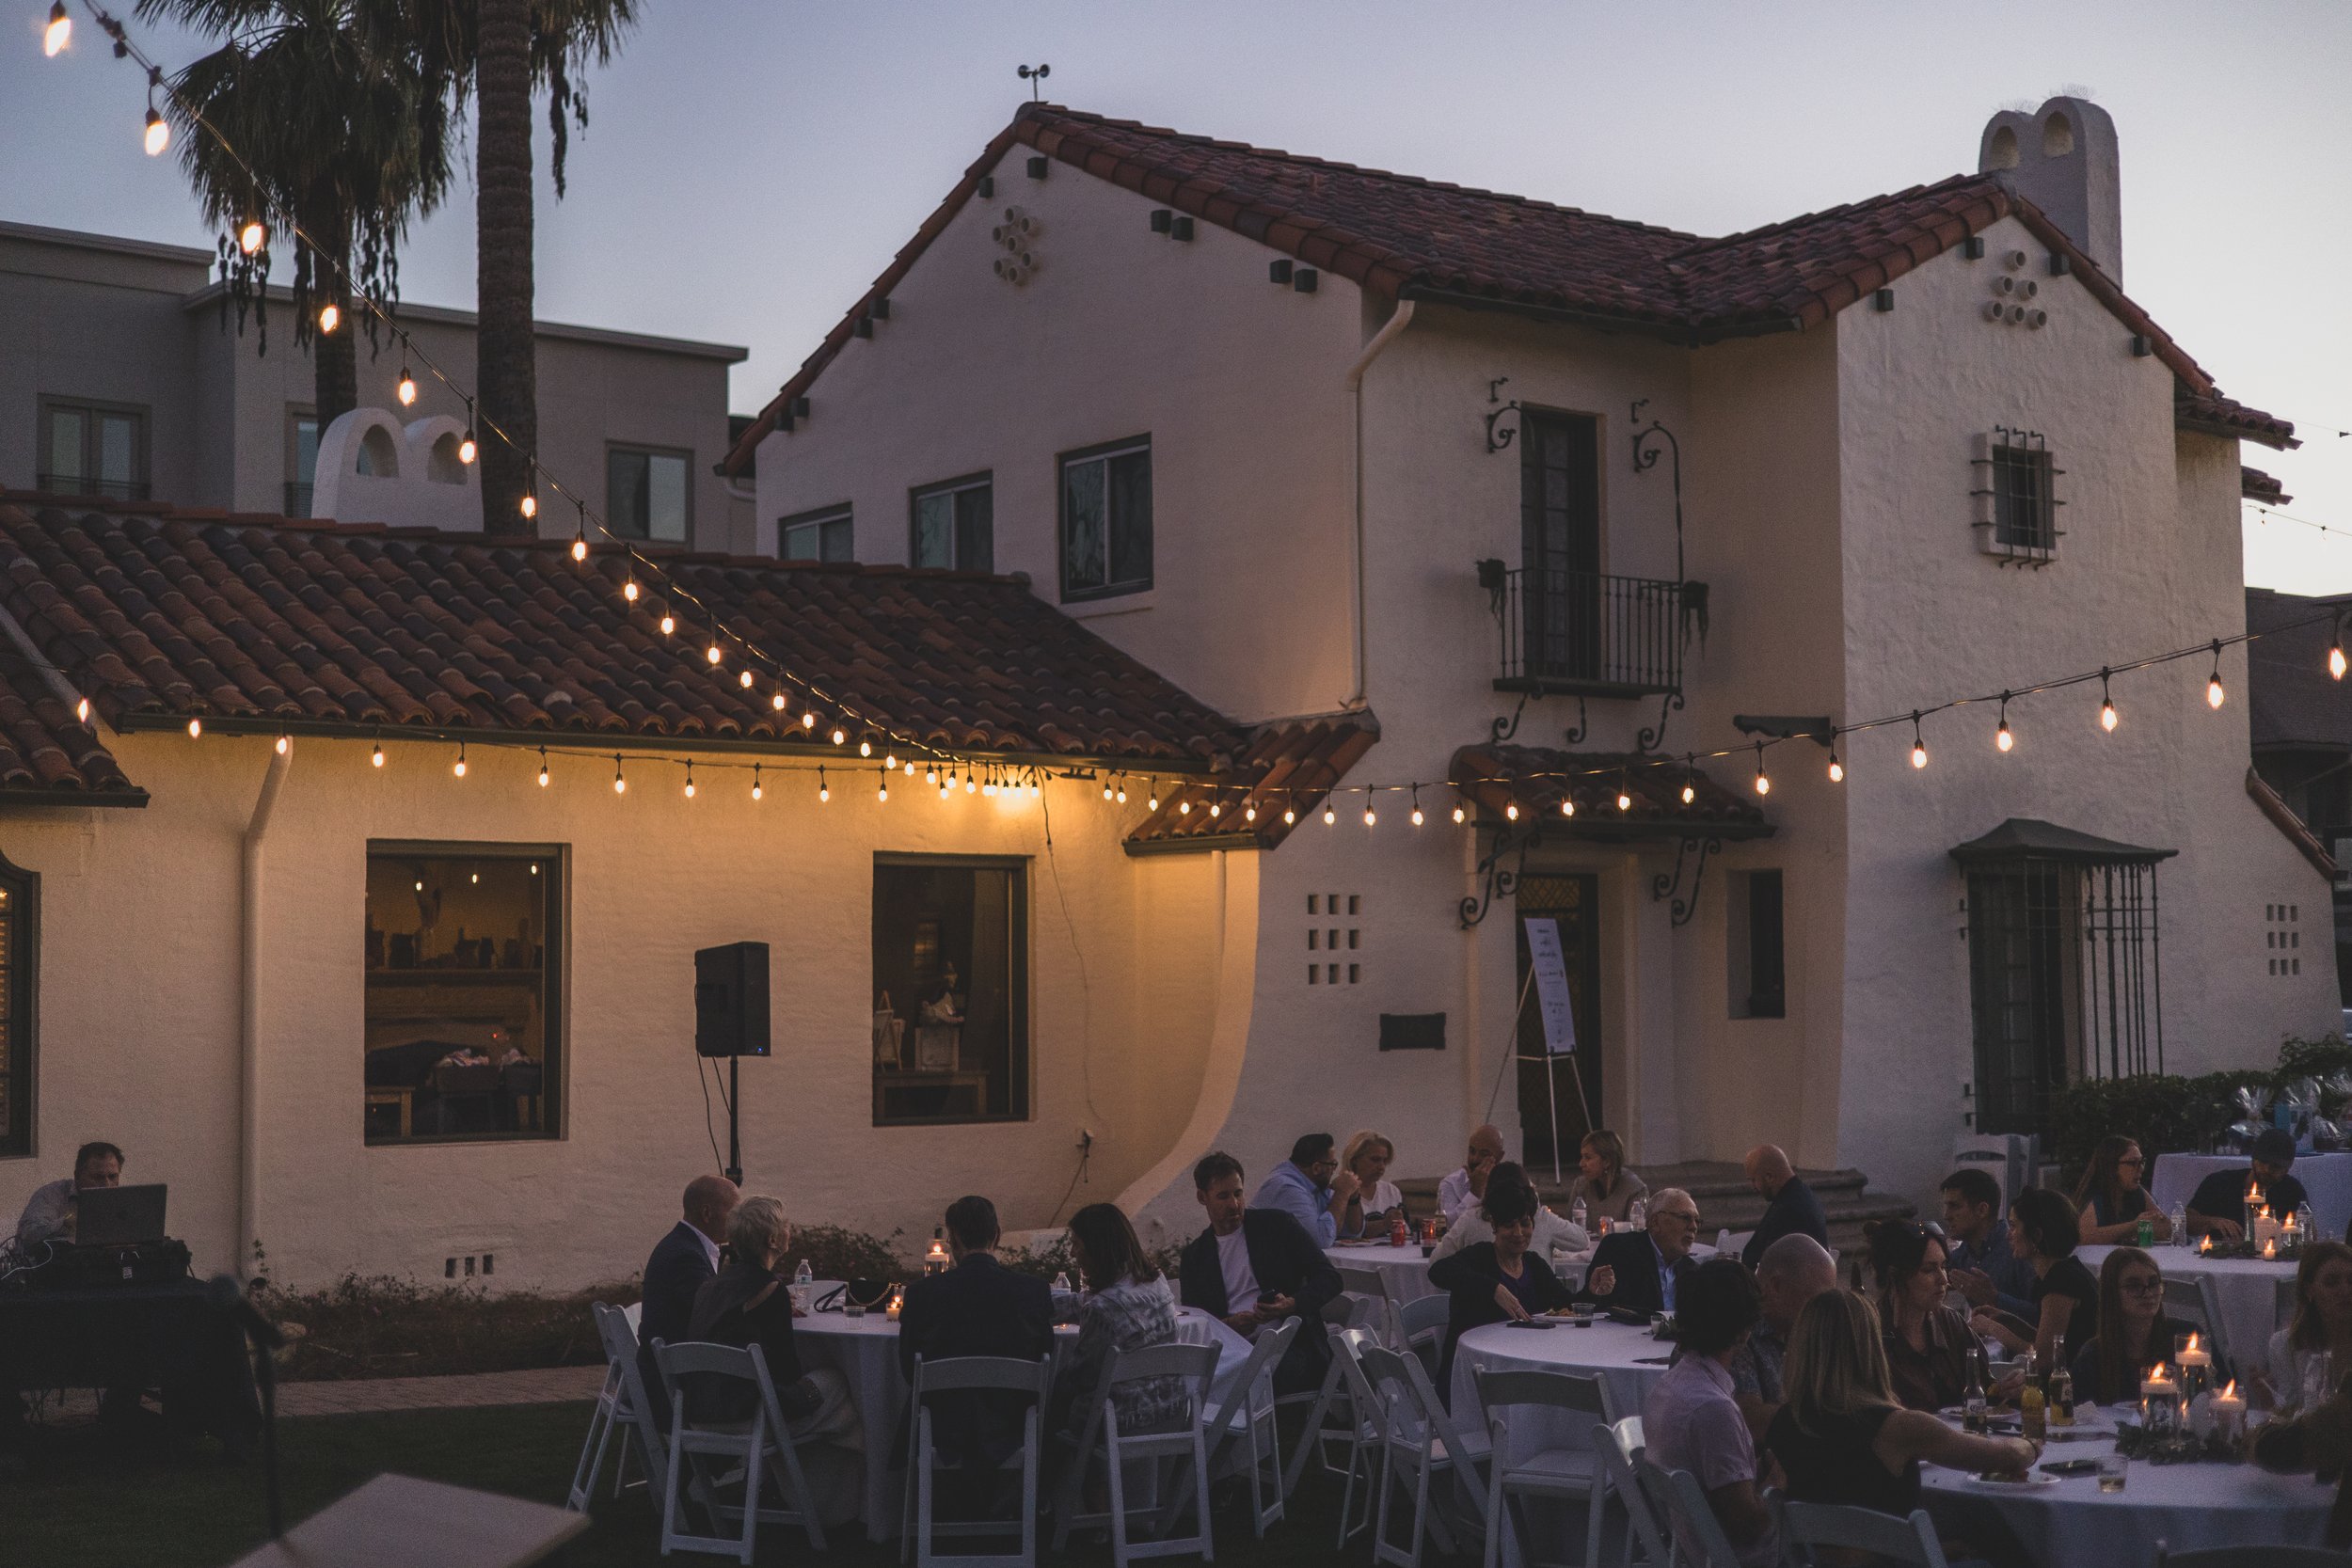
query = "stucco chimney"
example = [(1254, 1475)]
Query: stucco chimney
[(2062, 158)]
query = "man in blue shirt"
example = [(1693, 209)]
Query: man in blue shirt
[(1977, 1251), (1311, 1188)]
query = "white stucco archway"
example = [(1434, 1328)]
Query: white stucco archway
[(374, 469)]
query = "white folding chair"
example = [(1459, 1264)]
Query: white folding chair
[(919, 1528), (2197, 1303), (1558, 1471), (1361, 1284), (1319, 1433), (1247, 1416), (634, 1315), (1421, 1439), (1696, 1537), (758, 1445), (1420, 1326), (622, 1406), (1619, 1445), (1366, 1431), (1911, 1541), (1168, 1449)]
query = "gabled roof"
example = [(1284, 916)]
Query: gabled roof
[(1539, 780), (1400, 236), (259, 624), (2029, 838), (1288, 767)]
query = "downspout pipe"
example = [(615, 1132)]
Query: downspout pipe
[(1398, 321), (249, 1033)]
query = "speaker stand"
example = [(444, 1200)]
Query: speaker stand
[(734, 1127)]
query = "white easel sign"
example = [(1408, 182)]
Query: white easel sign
[(1550, 969)]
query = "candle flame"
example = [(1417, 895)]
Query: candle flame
[(2204, 1243), (2264, 1213), (2192, 1340), (2230, 1391)]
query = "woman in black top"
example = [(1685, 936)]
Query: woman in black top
[(1490, 1282), (746, 1304), (2042, 1229), (1929, 1351), (1842, 1438), (2134, 1333)]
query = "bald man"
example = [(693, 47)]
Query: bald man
[(682, 1261), (1789, 1208), (1462, 1191), (1793, 1271)]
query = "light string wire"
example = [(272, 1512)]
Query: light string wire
[(923, 751)]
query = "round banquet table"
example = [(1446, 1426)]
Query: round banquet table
[(2328, 1178), (1402, 1269), (1623, 1357), (2247, 1288), (865, 1351), (2188, 1506)]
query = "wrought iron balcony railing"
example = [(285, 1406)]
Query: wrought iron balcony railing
[(83, 484), (1590, 634)]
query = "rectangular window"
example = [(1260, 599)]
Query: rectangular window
[(955, 524), (645, 493), (93, 449), (823, 534), (464, 1032), (2016, 497), (302, 460), (20, 913), (1106, 520), (951, 971), (1754, 946)]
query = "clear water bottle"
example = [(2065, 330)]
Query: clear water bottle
[(804, 1287), (804, 1274), (1061, 1285), (2180, 1224), (1637, 1214), (1577, 1213)]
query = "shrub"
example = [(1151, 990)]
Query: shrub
[(836, 1252), (2172, 1115), (378, 1326)]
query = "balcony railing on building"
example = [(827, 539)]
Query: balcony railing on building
[(85, 484), (1589, 633)]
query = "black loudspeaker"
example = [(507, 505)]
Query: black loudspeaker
[(731, 1000)]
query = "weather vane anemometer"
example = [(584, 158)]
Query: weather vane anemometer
[(1034, 74)]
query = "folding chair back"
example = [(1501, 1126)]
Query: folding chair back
[(1522, 1470), (1617, 1458), (920, 1530), (1421, 1438), (1674, 1497), (621, 1406), (1366, 1292), (1246, 1415), (1912, 1540), (1420, 1326), (2196, 1303), (1173, 1448), (702, 1454)]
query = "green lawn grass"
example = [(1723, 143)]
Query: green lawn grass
[(83, 1504)]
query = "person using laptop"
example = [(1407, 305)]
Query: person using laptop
[(50, 1214)]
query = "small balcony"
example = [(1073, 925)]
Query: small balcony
[(1590, 634)]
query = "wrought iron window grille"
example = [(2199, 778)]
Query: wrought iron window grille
[(2014, 500)]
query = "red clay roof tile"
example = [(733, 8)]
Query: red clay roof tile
[(1289, 766)]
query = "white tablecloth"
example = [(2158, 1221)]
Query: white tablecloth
[(1402, 1269), (865, 1351), (2328, 1178), (2246, 1287), (2189, 1507), (1627, 1358)]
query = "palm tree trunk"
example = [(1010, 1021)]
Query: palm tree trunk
[(505, 372), (334, 356)]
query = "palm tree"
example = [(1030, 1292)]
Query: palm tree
[(316, 118), (500, 51)]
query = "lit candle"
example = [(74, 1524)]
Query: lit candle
[(2229, 1413), (2270, 1249), (898, 1296), (2265, 1228), (2204, 1242), (2194, 1356), (2159, 1402)]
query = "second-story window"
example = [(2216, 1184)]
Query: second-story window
[(91, 449), (955, 524), (302, 459), (823, 534), (2016, 493), (1107, 519), (645, 493)]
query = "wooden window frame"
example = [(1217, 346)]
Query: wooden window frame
[(1020, 988)]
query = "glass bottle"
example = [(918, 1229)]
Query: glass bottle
[(1637, 1214), (1577, 1214), (2033, 1412), (2180, 1224), (2061, 1398), (1974, 1415)]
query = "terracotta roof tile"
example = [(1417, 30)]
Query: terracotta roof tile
[(2256, 485), (45, 751), (2209, 413), (1289, 766), (1537, 778), (162, 615)]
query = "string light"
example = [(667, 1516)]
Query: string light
[(580, 535), (1763, 783), (1153, 804), (1121, 794), (1511, 810), (776, 701), (1417, 816), (629, 590), (252, 234), (468, 449), (157, 136), (1289, 815), (839, 735), (1690, 778), (285, 744), (458, 769), (2213, 695), (969, 787), (690, 781), (331, 317), (81, 709), (530, 505), (1624, 790), (1330, 816), (1567, 806), (545, 777), (1107, 788), (1216, 809), (757, 790), (2002, 739), (196, 727), (407, 391), (620, 781), (823, 794), (2106, 705), (1918, 742), (1459, 814), (2335, 654), (865, 748), (1250, 811), (58, 33), (890, 763), (808, 719), (1183, 808), (882, 790), (375, 757), (744, 680), (714, 653), (1370, 819), (1837, 769)]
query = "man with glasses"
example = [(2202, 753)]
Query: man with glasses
[(1641, 1271), (1984, 1266), (1311, 1188)]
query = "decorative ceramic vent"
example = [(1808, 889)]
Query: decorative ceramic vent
[(1016, 238)]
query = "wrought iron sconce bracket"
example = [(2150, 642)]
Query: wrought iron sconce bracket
[(1498, 439), (1497, 882), (1662, 886)]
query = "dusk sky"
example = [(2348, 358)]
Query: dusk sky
[(750, 167)]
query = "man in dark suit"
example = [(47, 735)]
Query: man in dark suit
[(1638, 1270), (1791, 1207), (1257, 1266), (681, 1260), (978, 1307)]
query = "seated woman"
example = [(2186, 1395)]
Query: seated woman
[(1490, 1282), (1602, 1182), (2043, 1230), (1842, 1438), (2319, 1337), (1377, 1200), (746, 1304), (1929, 1346), (1128, 1306), (2112, 1198), (2134, 1333)]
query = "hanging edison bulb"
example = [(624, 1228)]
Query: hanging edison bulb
[(620, 781), (629, 590), (756, 789), (1918, 753), (2002, 739), (468, 449), (331, 317), (1370, 819), (1511, 810), (669, 623), (196, 727), (458, 769), (2214, 696), (714, 653), (58, 32), (285, 744), (1567, 806), (1459, 814), (1290, 814), (1763, 783), (81, 709), (776, 701), (530, 505), (405, 389), (2336, 659), (375, 757), (1330, 816), (158, 133), (1837, 769), (690, 781), (545, 777), (744, 680), (252, 234)]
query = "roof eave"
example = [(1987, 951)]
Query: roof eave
[(2272, 439), (131, 797)]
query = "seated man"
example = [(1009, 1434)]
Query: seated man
[(1461, 1192), (1640, 1271), (977, 1307), (1795, 1269), (1257, 1266), (1551, 1232), (1790, 1209), (50, 1214), (681, 1263), (1311, 1188), (2218, 1207), (1984, 1266), (1691, 1417)]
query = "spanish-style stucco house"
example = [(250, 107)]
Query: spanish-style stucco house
[(1549, 503)]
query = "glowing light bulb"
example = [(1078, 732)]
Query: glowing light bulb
[(823, 793), (865, 748), (620, 781), (545, 777), (689, 786), (2336, 660), (1183, 808), (1290, 814), (252, 235), (713, 652), (669, 624), (776, 701), (406, 390), (196, 727), (285, 744), (1918, 753), (2002, 739), (744, 680), (629, 590), (1418, 819), (808, 721), (884, 792), (1568, 807), (1249, 813), (458, 767), (1035, 790), (158, 133), (81, 710), (1121, 796), (1625, 801), (531, 504), (1459, 814), (376, 755), (58, 33), (1690, 793), (890, 763), (2106, 715), (467, 450), (1837, 770), (1106, 789), (331, 317), (1511, 810), (839, 735), (1763, 784), (2214, 695), (579, 546), (1153, 804), (757, 789), (1370, 819), (1330, 816), (970, 787)]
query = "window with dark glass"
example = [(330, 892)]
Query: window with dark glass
[(1107, 519), (1756, 946), (93, 449), (463, 1037), (302, 460), (2023, 514), (645, 493), (20, 969), (823, 534), (951, 965), (955, 524)]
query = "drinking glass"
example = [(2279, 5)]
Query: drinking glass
[(2113, 1468)]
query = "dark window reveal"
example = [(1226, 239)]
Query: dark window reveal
[(1106, 520), (1756, 946), (645, 493), (824, 535), (955, 524), (2022, 496), (951, 966), (92, 449), (20, 972)]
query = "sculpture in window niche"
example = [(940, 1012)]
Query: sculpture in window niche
[(939, 1035)]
